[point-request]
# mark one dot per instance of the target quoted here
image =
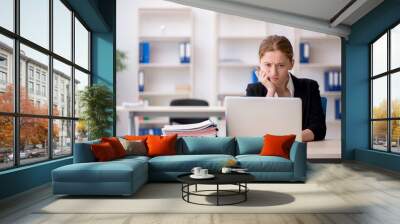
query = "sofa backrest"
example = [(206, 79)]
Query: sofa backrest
[(206, 145), (249, 145), (83, 152)]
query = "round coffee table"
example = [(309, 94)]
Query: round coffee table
[(238, 179)]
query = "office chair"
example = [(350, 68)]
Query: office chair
[(188, 102)]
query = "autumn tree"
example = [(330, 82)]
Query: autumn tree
[(380, 127), (33, 131)]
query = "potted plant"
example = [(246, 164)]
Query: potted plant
[(96, 102)]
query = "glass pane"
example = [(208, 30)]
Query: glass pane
[(379, 135), (379, 55), (34, 72), (62, 138), (395, 47), (62, 29), (395, 136), (7, 14), (81, 131), (81, 45), (35, 21), (62, 89), (33, 139), (379, 97), (395, 94), (6, 74), (6, 142), (81, 81)]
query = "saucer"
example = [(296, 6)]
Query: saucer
[(208, 176)]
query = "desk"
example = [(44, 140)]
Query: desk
[(170, 111)]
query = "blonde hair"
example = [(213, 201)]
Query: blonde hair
[(275, 42)]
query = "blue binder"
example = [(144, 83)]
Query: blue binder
[(144, 52), (254, 78), (304, 52), (338, 109)]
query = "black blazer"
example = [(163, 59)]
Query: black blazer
[(308, 91)]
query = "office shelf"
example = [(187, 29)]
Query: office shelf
[(256, 38), (164, 94), (164, 65), (165, 38), (318, 65), (236, 65), (165, 28), (331, 94)]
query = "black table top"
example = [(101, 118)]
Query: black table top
[(220, 178)]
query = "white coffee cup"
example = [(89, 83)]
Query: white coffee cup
[(203, 172), (226, 170), (196, 170)]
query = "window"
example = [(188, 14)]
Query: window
[(81, 45), (35, 21), (3, 61), (30, 88), (30, 73), (3, 78), (7, 14), (38, 89), (6, 73), (45, 131), (44, 91), (62, 31), (385, 95)]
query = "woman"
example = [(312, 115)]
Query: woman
[(276, 59)]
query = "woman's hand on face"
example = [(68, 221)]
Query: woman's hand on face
[(264, 79)]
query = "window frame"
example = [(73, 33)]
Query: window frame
[(388, 74), (16, 114)]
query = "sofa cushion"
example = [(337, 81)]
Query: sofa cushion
[(185, 163), (275, 145), (111, 171), (103, 152), (249, 145), (134, 147), (116, 145), (206, 145), (161, 145), (257, 163)]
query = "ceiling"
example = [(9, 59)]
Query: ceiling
[(333, 17)]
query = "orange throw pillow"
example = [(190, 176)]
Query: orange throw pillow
[(135, 138), (103, 152), (161, 145), (116, 145), (277, 145)]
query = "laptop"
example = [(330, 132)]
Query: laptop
[(257, 116)]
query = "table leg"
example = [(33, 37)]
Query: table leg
[(245, 191), (217, 194)]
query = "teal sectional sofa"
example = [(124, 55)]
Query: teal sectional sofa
[(125, 176)]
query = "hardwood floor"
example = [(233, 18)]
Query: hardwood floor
[(378, 189)]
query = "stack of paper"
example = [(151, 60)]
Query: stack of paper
[(205, 128)]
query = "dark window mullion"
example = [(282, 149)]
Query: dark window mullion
[(50, 87), (389, 77), (16, 84), (371, 124), (73, 82)]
